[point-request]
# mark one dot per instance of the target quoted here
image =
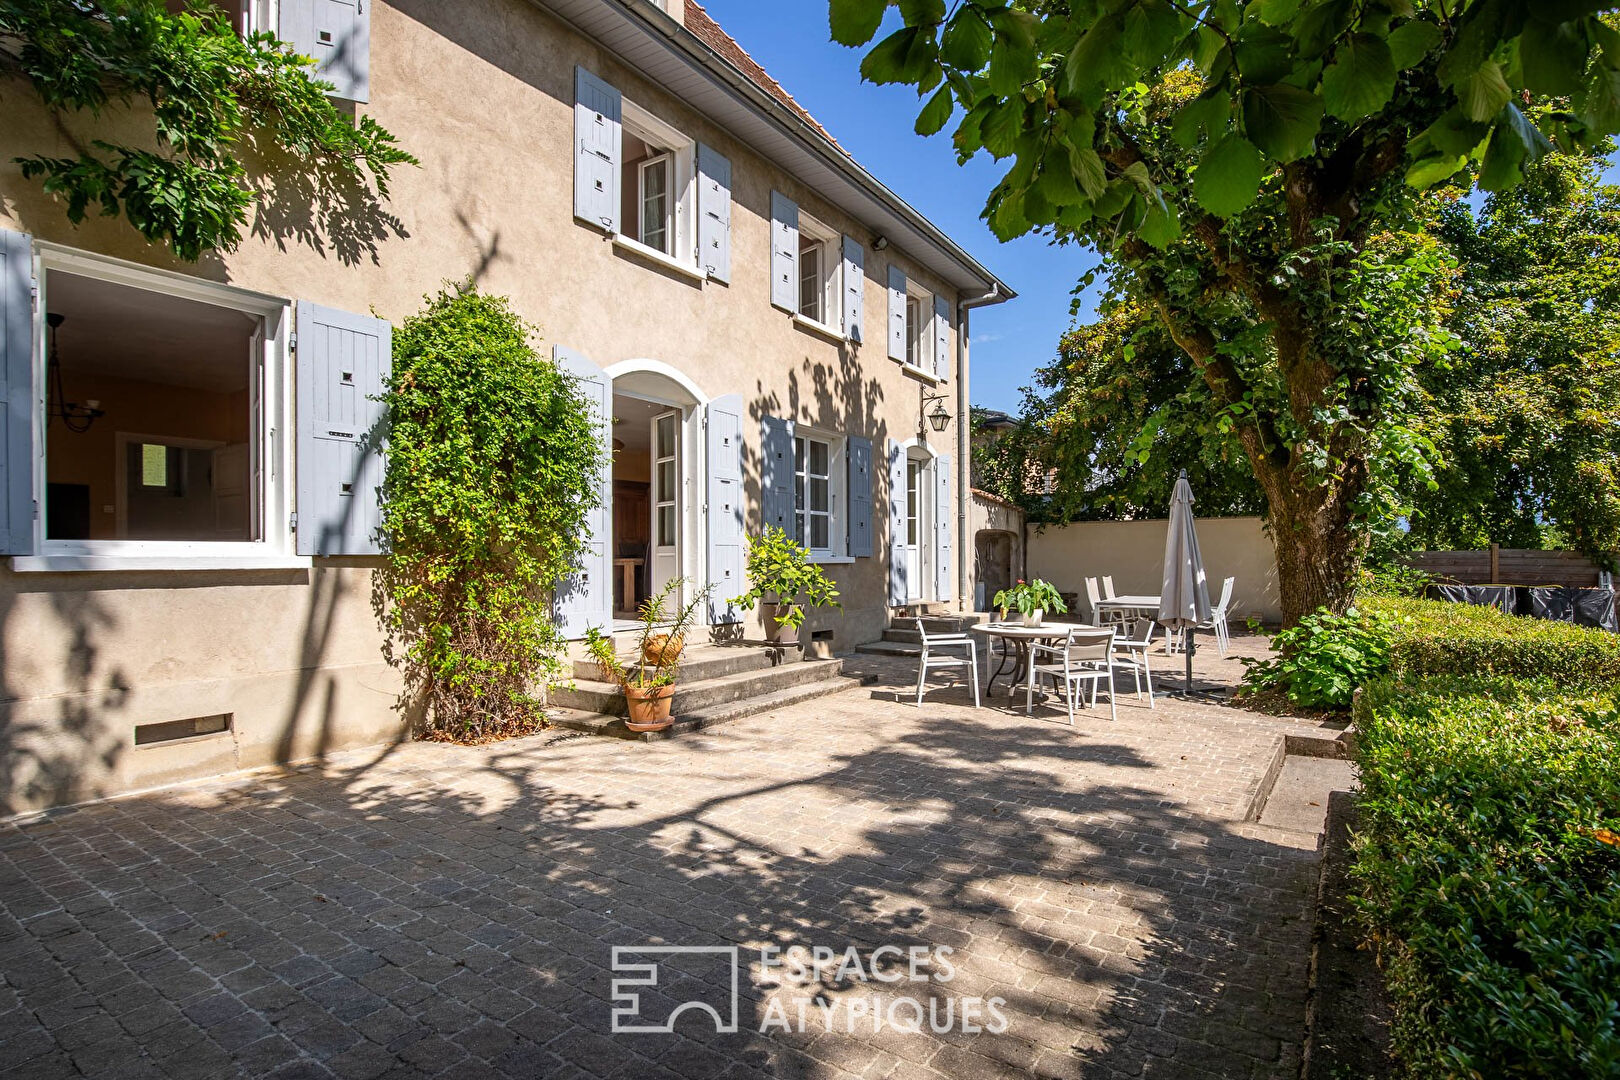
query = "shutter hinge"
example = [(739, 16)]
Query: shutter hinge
[(36, 509), (292, 341), (292, 521), (33, 292)]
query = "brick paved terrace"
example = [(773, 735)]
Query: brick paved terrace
[(433, 911)]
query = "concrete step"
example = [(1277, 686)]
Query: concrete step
[(592, 695), (1298, 799), (702, 662), (889, 648), (936, 624), (713, 716)]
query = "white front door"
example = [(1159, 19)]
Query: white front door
[(666, 500), (914, 529)]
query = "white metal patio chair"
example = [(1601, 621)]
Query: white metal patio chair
[(1099, 616), (1216, 622), (1108, 587), (1132, 653), (937, 654), (1085, 655)]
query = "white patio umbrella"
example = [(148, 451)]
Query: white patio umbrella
[(1184, 601)]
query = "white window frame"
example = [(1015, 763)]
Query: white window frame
[(670, 229), (682, 152), (827, 243), (273, 445), (837, 512), (920, 332)]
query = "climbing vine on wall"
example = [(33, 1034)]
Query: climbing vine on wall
[(493, 461)]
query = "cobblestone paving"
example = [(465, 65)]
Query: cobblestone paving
[(438, 911)]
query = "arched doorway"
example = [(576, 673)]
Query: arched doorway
[(656, 514), (993, 565)]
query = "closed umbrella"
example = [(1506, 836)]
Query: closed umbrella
[(1184, 601)]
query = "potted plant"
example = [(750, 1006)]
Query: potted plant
[(648, 677), (780, 568), (1033, 599)]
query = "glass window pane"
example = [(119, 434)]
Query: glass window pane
[(798, 492), (654, 205), (666, 526), (820, 454), (819, 496), (666, 436), (798, 528), (810, 280), (666, 481), (154, 465), (818, 531), (798, 455)]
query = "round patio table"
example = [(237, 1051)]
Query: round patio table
[(1015, 641)]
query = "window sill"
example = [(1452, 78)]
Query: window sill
[(669, 262), (921, 373), (820, 329), (62, 562), (832, 560)]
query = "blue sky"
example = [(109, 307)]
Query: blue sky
[(874, 123)]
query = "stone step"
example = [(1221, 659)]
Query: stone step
[(702, 662), (890, 648), (936, 624), (713, 716), (591, 695)]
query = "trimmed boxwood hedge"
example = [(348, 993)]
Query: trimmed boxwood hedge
[(1432, 637), (1491, 815)]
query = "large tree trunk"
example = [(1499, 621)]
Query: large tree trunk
[(1318, 559)]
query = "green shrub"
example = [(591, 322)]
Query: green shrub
[(493, 465), (1322, 661), (1432, 637), (1490, 813), (1392, 579)]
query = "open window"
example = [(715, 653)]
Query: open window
[(155, 431), (919, 328), (819, 265), (657, 187)]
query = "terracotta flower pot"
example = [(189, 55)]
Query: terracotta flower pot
[(776, 631), (649, 709), (661, 649)]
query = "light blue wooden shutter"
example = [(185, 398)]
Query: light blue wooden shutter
[(16, 394), (860, 496), (776, 473), (784, 252), (942, 337), (343, 365), (854, 290), (598, 147), (897, 313), (337, 35), (714, 212), (725, 511), (944, 569), (897, 524), (586, 599)]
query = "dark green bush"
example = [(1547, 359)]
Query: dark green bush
[(1432, 637), (1322, 661), (1492, 881)]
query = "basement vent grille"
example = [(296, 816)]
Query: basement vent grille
[(174, 730)]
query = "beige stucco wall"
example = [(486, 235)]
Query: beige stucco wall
[(1133, 553), (482, 93)]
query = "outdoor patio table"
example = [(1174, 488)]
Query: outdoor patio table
[(1131, 604), (1015, 639)]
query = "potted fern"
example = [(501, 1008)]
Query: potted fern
[(781, 569), (648, 677)]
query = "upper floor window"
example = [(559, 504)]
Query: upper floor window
[(658, 186), (819, 265), (919, 327)]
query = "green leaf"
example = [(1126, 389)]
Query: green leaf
[(1553, 57), (1278, 12), (1514, 141), (1410, 42), (1057, 181), (1089, 171), (1483, 93), (1002, 126), (1321, 24), (1228, 177), (922, 12), (1264, 55), (1282, 120), (1098, 59), (1151, 29), (937, 113), (1429, 171), (1161, 227), (853, 22), (905, 56), (1361, 79), (1208, 114), (966, 42)]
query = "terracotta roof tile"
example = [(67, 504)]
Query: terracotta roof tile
[(702, 26)]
